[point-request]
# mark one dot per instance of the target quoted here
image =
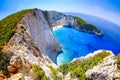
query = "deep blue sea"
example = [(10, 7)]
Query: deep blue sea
[(76, 44)]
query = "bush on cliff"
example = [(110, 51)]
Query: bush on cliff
[(118, 61), (8, 25), (4, 61), (78, 68), (55, 73), (37, 70), (85, 26)]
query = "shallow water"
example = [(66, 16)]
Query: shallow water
[(76, 44)]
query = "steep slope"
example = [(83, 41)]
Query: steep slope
[(27, 35), (33, 40), (8, 26), (57, 18)]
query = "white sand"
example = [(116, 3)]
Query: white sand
[(57, 27)]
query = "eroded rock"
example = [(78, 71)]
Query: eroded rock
[(19, 64), (107, 70)]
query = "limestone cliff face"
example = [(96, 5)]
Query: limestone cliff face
[(39, 30), (34, 41), (107, 70), (57, 18)]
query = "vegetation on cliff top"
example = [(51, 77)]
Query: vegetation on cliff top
[(78, 68), (55, 73), (118, 61), (4, 61), (79, 20), (81, 24), (84, 25), (8, 25), (39, 73)]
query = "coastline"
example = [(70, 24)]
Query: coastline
[(57, 27)]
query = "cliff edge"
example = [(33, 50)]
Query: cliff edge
[(69, 21), (31, 38)]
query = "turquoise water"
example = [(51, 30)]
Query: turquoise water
[(76, 44)]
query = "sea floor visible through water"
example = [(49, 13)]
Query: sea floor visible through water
[(77, 44)]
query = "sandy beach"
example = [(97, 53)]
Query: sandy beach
[(57, 27)]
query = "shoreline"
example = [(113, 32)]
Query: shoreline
[(57, 27)]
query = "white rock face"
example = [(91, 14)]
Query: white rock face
[(39, 30), (35, 42), (89, 55), (56, 19), (104, 71)]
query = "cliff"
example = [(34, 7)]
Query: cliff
[(34, 30), (32, 40), (107, 70), (28, 48), (57, 18), (99, 65)]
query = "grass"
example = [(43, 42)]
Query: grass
[(4, 62), (118, 61), (84, 25), (54, 73), (79, 20), (37, 70), (8, 25), (78, 68)]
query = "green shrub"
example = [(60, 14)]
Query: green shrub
[(4, 61), (8, 25), (78, 68), (79, 20), (54, 73), (118, 61), (78, 72), (84, 25), (38, 72), (103, 54), (64, 68)]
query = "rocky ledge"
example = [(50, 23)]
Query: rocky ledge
[(32, 42), (107, 70)]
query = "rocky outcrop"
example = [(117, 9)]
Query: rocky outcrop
[(39, 30), (19, 64), (107, 70), (33, 42), (3, 77), (34, 35), (57, 18)]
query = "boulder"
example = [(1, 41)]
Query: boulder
[(12, 69), (18, 64)]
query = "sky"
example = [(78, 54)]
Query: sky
[(106, 9)]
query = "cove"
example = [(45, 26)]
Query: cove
[(77, 44)]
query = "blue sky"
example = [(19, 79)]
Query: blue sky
[(107, 9)]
